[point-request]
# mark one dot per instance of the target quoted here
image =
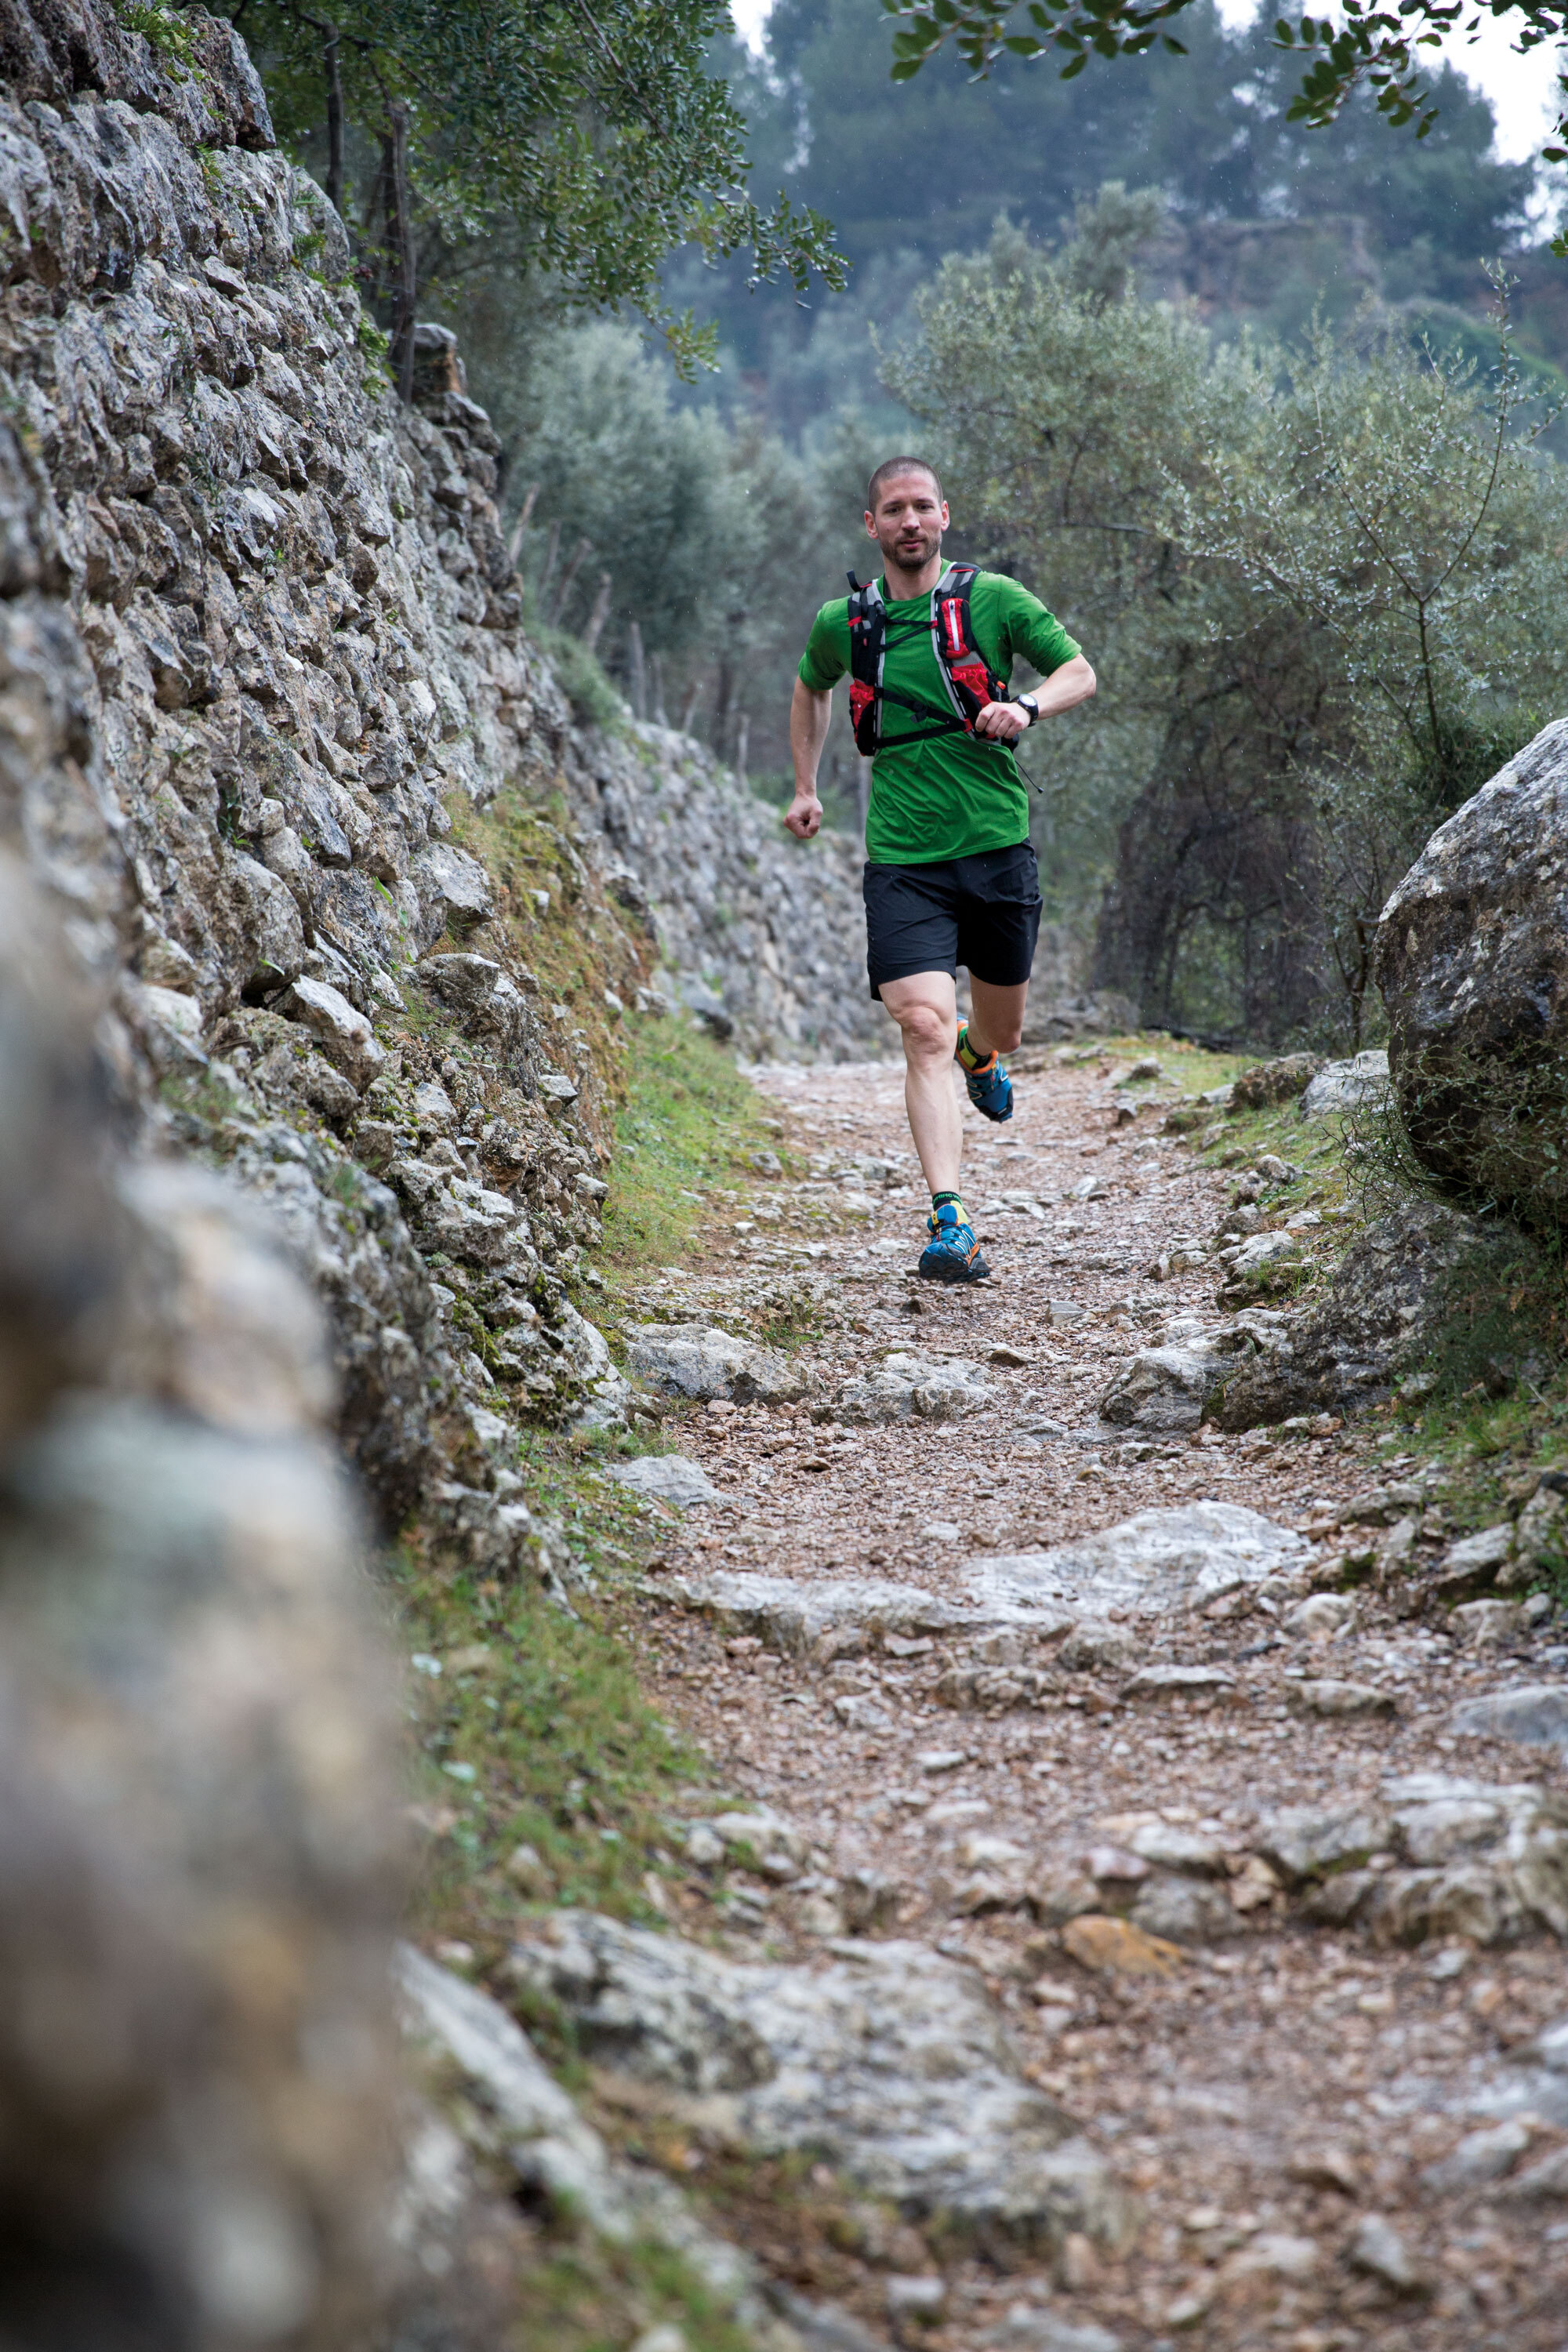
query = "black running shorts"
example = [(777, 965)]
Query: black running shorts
[(983, 912)]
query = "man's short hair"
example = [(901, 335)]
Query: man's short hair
[(891, 466)]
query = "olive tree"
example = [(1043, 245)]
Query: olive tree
[(586, 139), (1321, 587)]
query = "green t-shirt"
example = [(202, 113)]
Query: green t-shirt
[(949, 796)]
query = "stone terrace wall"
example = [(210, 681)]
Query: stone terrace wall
[(271, 611), (766, 932), (260, 665), (299, 625)]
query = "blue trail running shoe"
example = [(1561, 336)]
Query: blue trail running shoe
[(990, 1087), (953, 1254)]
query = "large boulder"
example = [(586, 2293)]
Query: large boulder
[(889, 2062), (1386, 1304), (1472, 960)]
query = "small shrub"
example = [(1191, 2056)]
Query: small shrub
[(595, 701)]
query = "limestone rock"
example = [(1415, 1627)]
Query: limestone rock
[(183, 1610), (1482, 1625), (1326, 1694), (1091, 1643), (1540, 2184), (1265, 1264), (1377, 2249), (1268, 1083), (1304, 1843), (1182, 1911), (1358, 1085), (58, 1239), (486, 1000), (887, 2060), (1321, 1616), (907, 1386), (345, 1036), (1471, 961), (793, 1616), (453, 887), (669, 1477), (1157, 1683), (1166, 1388), (1182, 1382), (1479, 2158), (1472, 1899), (1169, 1847), (1535, 1714), (1027, 2328), (553, 2154), (692, 1359), (1161, 1563), (1347, 1346)]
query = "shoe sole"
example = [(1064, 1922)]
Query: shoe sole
[(975, 1271), (997, 1117)]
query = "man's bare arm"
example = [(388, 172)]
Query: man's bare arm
[(1073, 682), (810, 716)]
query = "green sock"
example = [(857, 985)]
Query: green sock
[(948, 1200), (966, 1052)]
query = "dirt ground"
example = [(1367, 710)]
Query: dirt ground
[(1274, 2094)]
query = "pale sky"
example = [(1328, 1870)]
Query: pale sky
[(1523, 89)]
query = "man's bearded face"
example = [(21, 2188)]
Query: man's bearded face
[(909, 520)]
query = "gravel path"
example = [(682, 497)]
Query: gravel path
[(1279, 2072)]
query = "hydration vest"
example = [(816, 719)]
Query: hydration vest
[(970, 681)]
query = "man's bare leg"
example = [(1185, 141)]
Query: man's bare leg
[(925, 1007), (996, 1019)]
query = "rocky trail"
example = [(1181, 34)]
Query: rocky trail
[(1127, 1896)]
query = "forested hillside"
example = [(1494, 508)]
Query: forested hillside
[(1215, 257), (1331, 216)]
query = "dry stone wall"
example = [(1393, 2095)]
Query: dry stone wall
[(263, 1016), (270, 612)]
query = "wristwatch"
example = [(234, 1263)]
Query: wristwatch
[(1026, 702)]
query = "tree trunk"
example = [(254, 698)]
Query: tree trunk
[(514, 543), (567, 580), (742, 742), (689, 707), (638, 674), (400, 248), (723, 688), (552, 549), (660, 716), (334, 121), (600, 614)]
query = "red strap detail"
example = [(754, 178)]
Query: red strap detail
[(973, 674), (952, 621)]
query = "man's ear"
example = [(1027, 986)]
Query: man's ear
[(871, 525), (944, 514)]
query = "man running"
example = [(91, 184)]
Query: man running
[(951, 876)]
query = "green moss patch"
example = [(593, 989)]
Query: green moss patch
[(541, 1774), (688, 1123)]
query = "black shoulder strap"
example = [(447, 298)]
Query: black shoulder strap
[(969, 678), (868, 632)]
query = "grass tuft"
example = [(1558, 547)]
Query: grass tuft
[(557, 1749), (689, 1121)]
